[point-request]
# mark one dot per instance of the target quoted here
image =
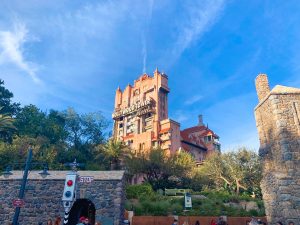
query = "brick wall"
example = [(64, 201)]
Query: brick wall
[(278, 124), (43, 196)]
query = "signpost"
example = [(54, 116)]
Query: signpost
[(187, 201), (18, 202)]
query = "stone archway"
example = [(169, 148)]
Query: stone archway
[(82, 207)]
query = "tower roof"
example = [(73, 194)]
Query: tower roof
[(279, 89)]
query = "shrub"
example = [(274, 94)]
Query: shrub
[(139, 190), (155, 208)]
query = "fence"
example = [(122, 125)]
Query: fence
[(204, 220)]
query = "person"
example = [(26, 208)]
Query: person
[(197, 222), (253, 221), (175, 222), (98, 223), (86, 221), (221, 221), (49, 222), (279, 223), (81, 221), (57, 221), (213, 222), (291, 223)]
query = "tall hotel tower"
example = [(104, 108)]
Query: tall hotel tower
[(141, 115)]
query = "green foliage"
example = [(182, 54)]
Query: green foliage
[(6, 96), (216, 203), (56, 137), (6, 122), (84, 129), (116, 152), (139, 190), (163, 171), (8, 111), (237, 171)]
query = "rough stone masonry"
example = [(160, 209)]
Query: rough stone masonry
[(278, 123), (43, 196)]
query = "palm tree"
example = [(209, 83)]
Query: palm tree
[(116, 152), (6, 122)]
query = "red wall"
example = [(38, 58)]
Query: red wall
[(204, 220)]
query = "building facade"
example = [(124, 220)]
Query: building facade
[(141, 119), (200, 141), (103, 199), (278, 123)]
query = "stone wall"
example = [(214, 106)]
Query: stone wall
[(278, 124), (43, 196)]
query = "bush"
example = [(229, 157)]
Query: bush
[(139, 190), (146, 202), (155, 208)]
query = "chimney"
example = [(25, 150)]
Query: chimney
[(262, 86), (200, 120)]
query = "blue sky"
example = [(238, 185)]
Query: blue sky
[(59, 54)]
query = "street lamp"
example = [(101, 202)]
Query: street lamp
[(44, 173), (7, 172), (28, 164)]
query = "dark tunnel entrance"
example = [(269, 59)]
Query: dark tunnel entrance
[(82, 207)]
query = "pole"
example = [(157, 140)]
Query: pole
[(23, 185)]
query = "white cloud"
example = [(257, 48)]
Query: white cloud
[(11, 49), (180, 116), (193, 99), (201, 16)]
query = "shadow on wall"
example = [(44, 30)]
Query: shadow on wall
[(280, 157)]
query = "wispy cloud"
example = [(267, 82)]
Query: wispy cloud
[(144, 53), (12, 49), (193, 99), (144, 35), (180, 116), (201, 15)]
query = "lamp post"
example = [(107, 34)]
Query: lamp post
[(28, 163)]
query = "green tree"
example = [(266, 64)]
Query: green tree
[(6, 126), (6, 122), (86, 129), (30, 121), (54, 127), (161, 170), (239, 169), (8, 107), (116, 152), (8, 111), (183, 164)]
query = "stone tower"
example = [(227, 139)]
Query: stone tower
[(278, 123)]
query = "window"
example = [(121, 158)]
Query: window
[(208, 138), (120, 125), (217, 147), (148, 115)]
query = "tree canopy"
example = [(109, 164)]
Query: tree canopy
[(56, 137), (236, 170)]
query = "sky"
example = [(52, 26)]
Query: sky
[(69, 53)]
